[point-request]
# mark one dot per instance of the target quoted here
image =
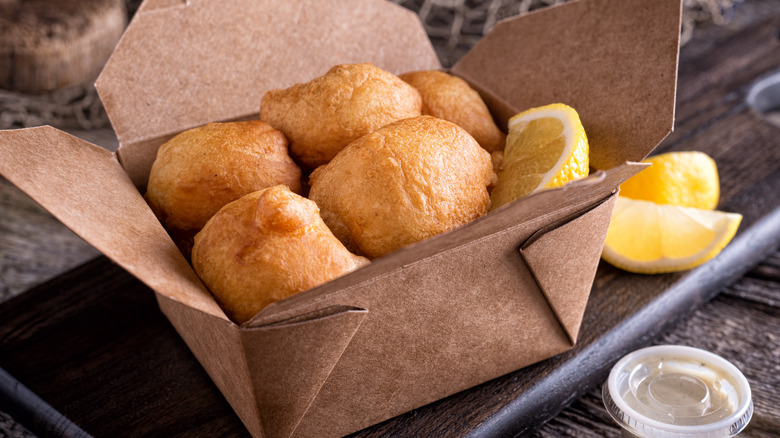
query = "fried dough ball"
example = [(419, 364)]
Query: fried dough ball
[(202, 169), (497, 157), (402, 183), (322, 116), (264, 247), (451, 98)]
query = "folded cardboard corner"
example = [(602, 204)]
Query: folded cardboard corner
[(428, 320), (371, 345), (564, 283)]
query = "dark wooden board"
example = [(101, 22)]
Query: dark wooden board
[(94, 346), (101, 353), (741, 324)]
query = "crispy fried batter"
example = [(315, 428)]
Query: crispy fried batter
[(202, 169), (264, 247), (322, 116), (451, 98), (402, 183)]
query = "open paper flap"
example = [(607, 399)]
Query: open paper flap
[(86, 189), (182, 66), (614, 61)]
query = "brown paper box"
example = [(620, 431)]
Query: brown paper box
[(419, 324)]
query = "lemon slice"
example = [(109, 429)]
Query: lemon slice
[(649, 238), (546, 147), (688, 179)]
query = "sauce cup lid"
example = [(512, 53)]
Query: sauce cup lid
[(675, 391)]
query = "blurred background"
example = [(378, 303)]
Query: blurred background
[(52, 51)]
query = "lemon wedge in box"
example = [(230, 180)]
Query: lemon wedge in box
[(546, 147), (688, 179), (649, 238)]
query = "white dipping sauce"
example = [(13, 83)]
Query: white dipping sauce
[(669, 391)]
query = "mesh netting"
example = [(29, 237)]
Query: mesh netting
[(454, 26)]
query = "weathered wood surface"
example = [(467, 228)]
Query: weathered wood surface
[(94, 346), (741, 324)]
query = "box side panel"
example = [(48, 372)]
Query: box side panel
[(444, 322), (137, 160), (177, 67), (309, 349), (216, 343), (84, 186), (437, 327), (614, 61)]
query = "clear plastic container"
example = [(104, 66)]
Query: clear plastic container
[(674, 391)]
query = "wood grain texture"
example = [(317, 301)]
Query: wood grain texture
[(10, 428), (26, 405), (94, 345), (742, 327)]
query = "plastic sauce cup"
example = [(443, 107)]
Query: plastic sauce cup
[(674, 391)]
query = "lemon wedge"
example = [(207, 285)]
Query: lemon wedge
[(546, 147), (649, 238), (688, 179)]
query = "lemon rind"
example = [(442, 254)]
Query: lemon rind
[(651, 181)]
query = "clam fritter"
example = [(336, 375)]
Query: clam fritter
[(322, 116), (264, 247), (202, 169), (402, 183), (451, 98)]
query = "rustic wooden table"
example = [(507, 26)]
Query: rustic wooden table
[(93, 345)]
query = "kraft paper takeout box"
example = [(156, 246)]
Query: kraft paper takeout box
[(426, 321)]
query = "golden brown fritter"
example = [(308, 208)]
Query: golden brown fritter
[(451, 98), (402, 183), (264, 247), (497, 157), (202, 169), (322, 116)]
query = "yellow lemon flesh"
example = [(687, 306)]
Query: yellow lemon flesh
[(649, 238), (688, 179), (546, 147)]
